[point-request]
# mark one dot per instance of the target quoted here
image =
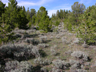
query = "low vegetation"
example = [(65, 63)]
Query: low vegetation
[(31, 41)]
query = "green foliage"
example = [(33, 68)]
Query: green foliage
[(72, 19), (86, 29), (62, 14), (22, 20), (2, 8), (13, 16), (32, 13), (78, 8), (57, 23), (43, 20), (67, 25), (29, 24), (10, 15), (33, 19)]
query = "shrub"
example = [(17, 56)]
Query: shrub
[(43, 70), (43, 39), (58, 36), (15, 66), (32, 41), (76, 66), (40, 61), (73, 62), (63, 40), (61, 64), (81, 70), (57, 23), (80, 55), (18, 51), (56, 70), (53, 51), (43, 45)]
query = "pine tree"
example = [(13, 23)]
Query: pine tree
[(2, 8), (61, 14), (43, 19), (32, 17), (77, 10), (32, 13), (86, 29), (73, 17), (22, 19), (11, 14)]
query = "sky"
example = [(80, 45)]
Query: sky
[(51, 5)]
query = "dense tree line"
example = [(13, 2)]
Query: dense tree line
[(83, 22), (14, 16), (80, 20)]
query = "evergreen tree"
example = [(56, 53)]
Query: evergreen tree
[(58, 14), (61, 14), (11, 14), (32, 17), (77, 10), (2, 8), (73, 17), (22, 20), (86, 29), (43, 19), (32, 13), (28, 15)]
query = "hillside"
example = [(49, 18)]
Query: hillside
[(59, 51)]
